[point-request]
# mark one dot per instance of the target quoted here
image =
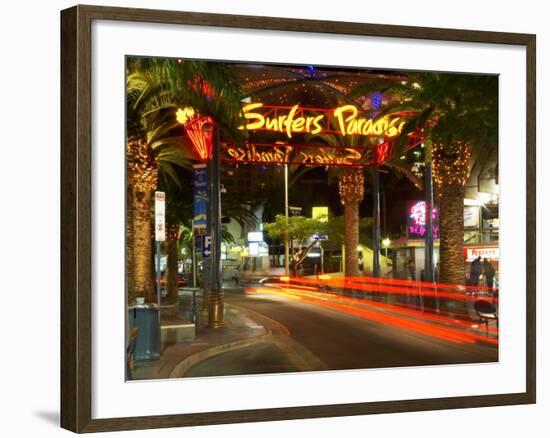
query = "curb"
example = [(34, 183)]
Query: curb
[(186, 364)]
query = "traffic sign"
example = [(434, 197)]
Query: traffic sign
[(294, 211), (160, 223), (321, 238), (206, 246)]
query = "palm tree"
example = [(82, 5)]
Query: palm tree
[(351, 189), (150, 155), (464, 111), (172, 237), (155, 89), (179, 215)]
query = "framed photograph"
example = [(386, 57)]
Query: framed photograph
[(269, 218)]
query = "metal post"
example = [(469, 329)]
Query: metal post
[(158, 292), (480, 224), (287, 250), (206, 279), (206, 265), (322, 258), (376, 223), (194, 306), (158, 273), (193, 260), (428, 198), (215, 301)]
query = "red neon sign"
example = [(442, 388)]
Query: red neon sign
[(200, 132), (346, 120), (312, 155)]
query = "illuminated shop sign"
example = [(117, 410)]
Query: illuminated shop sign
[(416, 220), (320, 213), (485, 252), (343, 120), (346, 120), (306, 155)]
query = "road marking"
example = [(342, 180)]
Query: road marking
[(302, 358), (282, 327)]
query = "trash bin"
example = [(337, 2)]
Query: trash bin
[(145, 318)]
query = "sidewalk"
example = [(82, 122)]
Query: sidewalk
[(239, 331)]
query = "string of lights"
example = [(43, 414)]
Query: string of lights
[(172, 232), (142, 164), (451, 165), (351, 186)]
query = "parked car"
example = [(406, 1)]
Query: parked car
[(182, 280)]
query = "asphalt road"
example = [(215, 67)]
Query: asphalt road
[(261, 358), (333, 339)]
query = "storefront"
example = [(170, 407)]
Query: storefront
[(480, 240), (408, 259), (490, 253)]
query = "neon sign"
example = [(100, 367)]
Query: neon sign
[(416, 220), (306, 155), (184, 114), (199, 131), (346, 119), (418, 213)]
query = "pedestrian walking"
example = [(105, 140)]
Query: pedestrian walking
[(412, 270), (237, 274), (476, 270), (489, 272)]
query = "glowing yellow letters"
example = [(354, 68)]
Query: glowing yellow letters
[(281, 153), (369, 127), (347, 119), (287, 123)]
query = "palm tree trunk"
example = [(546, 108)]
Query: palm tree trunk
[(351, 224), (142, 176), (451, 168), (130, 279), (451, 229), (351, 189), (143, 247)]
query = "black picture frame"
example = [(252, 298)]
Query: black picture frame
[(76, 217)]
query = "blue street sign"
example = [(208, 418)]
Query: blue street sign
[(200, 196), (206, 246), (317, 237)]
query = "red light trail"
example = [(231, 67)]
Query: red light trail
[(404, 317)]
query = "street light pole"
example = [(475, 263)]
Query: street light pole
[(287, 249), (376, 224), (215, 299), (193, 258), (428, 199)]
